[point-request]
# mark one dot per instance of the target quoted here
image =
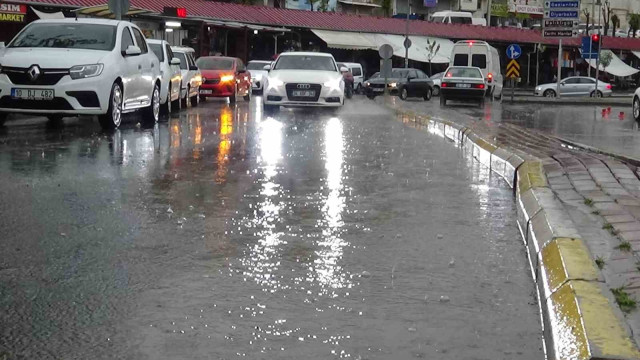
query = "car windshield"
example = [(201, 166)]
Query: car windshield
[(398, 74), (252, 65), (209, 63), (305, 62), (464, 72), (157, 49), (66, 36), (183, 60), (437, 19)]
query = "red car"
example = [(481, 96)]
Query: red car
[(224, 77)]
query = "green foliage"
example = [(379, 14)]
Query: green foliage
[(623, 299), (588, 202), (387, 7), (605, 59), (600, 262), (634, 24), (624, 246)]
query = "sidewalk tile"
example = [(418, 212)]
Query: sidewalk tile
[(576, 178), (613, 219), (628, 202), (559, 180), (628, 226), (557, 187), (567, 195), (610, 208), (622, 266), (630, 236)]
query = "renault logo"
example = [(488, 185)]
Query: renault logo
[(34, 72), (304, 86)]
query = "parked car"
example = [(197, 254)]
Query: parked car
[(575, 86), (80, 66), (463, 83), (258, 74), (480, 54), (636, 105), (436, 80), (348, 80), (456, 17), (224, 77), (306, 79), (402, 82), (358, 76), (191, 76), (170, 73)]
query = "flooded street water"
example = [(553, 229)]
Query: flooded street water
[(223, 233)]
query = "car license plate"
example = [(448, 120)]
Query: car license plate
[(466, 86), (378, 89), (206, 92), (33, 94), (303, 93)]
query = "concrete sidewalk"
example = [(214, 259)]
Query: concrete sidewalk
[(579, 212)]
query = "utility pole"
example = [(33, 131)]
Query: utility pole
[(593, 20), (559, 66), (489, 13), (406, 36), (595, 92)]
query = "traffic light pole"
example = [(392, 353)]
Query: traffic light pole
[(595, 91), (559, 66)]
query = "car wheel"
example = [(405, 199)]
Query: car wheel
[(404, 94), (549, 93), (232, 98), (436, 91), (359, 89), (195, 99), (175, 107), (202, 98), (428, 94), (371, 96), (599, 94), (185, 99), (3, 118), (636, 109), (443, 101), (113, 117), (152, 112)]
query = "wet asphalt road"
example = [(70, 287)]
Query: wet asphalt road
[(221, 233)]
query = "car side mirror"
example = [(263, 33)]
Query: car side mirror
[(193, 68), (132, 50), (343, 69), (175, 61), (562, 84), (266, 67)]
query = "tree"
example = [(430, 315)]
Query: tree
[(587, 14), (386, 7), (605, 59), (634, 23), (432, 49), (606, 14), (615, 23)]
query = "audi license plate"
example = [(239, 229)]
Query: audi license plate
[(32, 94), (466, 86), (303, 93)]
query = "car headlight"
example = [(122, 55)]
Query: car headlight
[(333, 84), (226, 78), (274, 83), (367, 84), (85, 71), (539, 88), (393, 85)]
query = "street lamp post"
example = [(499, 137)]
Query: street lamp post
[(406, 36), (489, 13)]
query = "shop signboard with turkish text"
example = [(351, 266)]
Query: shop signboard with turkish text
[(12, 12)]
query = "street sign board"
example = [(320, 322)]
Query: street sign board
[(430, 3), (561, 18), (513, 69), (386, 68), (562, 4), (385, 51), (514, 51), (407, 43), (559, 33), (561, 14), (560, 24)]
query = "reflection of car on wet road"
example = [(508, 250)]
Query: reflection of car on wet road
[(463, 83), (304, 79), (191, 76), (403, 82), (79, 67), (224, 77), (258, 73), (170, 88), (636, 105), (575, 86)]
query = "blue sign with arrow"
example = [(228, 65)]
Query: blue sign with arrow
[(514, 51)]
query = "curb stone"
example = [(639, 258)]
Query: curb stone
[(580, 319)]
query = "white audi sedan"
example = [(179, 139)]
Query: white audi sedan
[(67, 67), (302, 79)]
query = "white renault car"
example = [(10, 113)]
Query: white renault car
[(258, 74), (170, 74), (301, 79), (72, 67), (191, 75)]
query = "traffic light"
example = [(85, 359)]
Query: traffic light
[(595, 43)]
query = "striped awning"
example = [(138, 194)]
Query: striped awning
[(104, 12)]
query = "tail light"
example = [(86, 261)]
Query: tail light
[(444, 84), (490, 77), (608, 86), (479, 86)]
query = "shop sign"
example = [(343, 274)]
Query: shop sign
[(12, 12)]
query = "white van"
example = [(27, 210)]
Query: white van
[(358, 75), (484, 56), (457, 17)]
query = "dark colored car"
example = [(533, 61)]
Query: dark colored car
[(405, 83), (224, 77), (463, 83)]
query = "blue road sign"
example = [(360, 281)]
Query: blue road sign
[(555, 14), (586, 49), (514, 51), (562, 4)]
